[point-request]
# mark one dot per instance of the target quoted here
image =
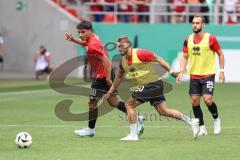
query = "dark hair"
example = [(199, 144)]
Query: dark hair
[(84, 25), (202, 17), (42, 47)]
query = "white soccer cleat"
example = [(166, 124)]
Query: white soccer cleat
[(140, 125), (194, 123), (217, 126), (203, 131), (130, 138), (85, 132)]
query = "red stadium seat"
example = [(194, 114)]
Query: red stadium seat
[(73, 12)]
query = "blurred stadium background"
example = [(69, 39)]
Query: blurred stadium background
[(157, 25), (27, 24)]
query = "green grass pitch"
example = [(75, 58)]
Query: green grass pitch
[(27, 105)]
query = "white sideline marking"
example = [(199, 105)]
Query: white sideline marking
[(23, 92), (67, 126)]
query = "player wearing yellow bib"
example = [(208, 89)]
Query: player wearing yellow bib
[(139, 66), (200, 49)]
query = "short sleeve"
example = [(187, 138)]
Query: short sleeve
[(145, 55), (185, 44), (213, 43)]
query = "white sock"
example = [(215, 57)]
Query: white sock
[(133, 129), (186, 119)]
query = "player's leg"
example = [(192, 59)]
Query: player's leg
[(92, 114), (195, 92), (208, 89), (98, 88), (212, 107), (163, 110), (132, 119), (115, 101), (197, 111)]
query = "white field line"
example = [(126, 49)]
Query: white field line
[(24, 92), (72, 126), (34, 91)]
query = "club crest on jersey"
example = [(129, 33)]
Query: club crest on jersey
[(196, 50)]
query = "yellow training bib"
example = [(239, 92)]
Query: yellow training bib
[(202, 58)]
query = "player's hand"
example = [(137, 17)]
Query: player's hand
[(221, 77), (68, 36), (179, 78), (175, 74)]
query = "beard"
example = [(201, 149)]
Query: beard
[(197, 31), (123, 53)]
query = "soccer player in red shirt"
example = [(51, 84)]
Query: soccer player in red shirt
[(200, 48), (100, 66), (139, 65)]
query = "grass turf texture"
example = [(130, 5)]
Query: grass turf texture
[(27, 105)]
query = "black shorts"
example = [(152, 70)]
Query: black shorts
[(152, 92), (99, 87), (202, 86)]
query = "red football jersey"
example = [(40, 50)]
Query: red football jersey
[(95, 50)]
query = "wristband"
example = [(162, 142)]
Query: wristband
[(171, 71), (221, 70)]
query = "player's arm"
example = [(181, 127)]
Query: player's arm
[(165, 65), (215, 46), (183, 65), (183, 62), (221, 64), (118, 79), (36, 57), (148, 56), (116, 83), (69, 37)]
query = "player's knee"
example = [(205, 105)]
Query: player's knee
[(163, 113), (129, 108), (92, 103), (195, 102), (208, 101)]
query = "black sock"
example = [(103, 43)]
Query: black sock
[(93, 114), (213, 109), (197, 111), (121, 107)]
